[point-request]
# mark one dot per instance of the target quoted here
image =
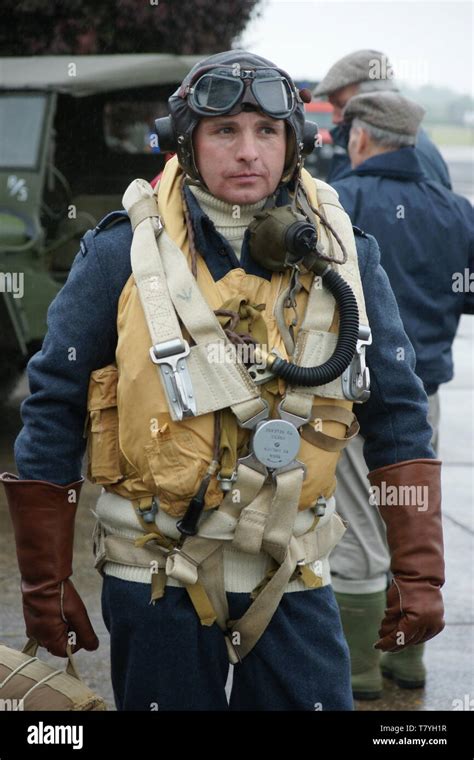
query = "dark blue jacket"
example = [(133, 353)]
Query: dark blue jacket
[(431, 160), (426, 235), (83, 317)]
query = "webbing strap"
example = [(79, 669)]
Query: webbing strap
[(309, 578), (142, 209), (333, 414), (244, 633), (314, 343), (248, 535), (148, 270), (268, 521), (158, 584), (282, 515), (125, 552), (275, 534), (202, 604), (194, 311), (224, 384), (306, 549), (212, 579), (183, 563), (313, 545), (167, 288)]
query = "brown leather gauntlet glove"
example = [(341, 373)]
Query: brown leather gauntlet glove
[(409, 499), (43, 520)]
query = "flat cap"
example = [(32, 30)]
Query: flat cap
[(360, 66), (387, 110)]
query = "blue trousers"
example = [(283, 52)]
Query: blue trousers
[(162, 658)]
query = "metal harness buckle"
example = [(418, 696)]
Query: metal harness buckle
[(170, 355), (356, 378)]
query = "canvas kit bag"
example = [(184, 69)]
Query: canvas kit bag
[(27, 683)]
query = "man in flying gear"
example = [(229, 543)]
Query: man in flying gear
[(224, 327)]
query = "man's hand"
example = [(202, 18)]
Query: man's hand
[(414, 614), (43, 521), (56, 616), (409, 499)]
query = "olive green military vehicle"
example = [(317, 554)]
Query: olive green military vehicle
[(74, 132)]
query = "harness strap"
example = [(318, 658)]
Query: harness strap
[(182, 564), (315, 344), (274, 534), (244, 633), (142, 209), (167, 288), (282, 515), (333, 414), (210, 601)]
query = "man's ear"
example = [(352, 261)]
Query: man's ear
[(363, 141), (357, 145)]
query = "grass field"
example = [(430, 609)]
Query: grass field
[(450, 134)]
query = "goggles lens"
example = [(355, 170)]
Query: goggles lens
[(274, 95), (218, 91)]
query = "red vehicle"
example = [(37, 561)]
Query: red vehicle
[(318, 162)]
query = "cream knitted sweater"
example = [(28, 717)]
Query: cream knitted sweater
[(230, 220)]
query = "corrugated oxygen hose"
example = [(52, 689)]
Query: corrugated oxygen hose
[(346, 342)]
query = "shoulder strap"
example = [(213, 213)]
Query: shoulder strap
[(168, 289)]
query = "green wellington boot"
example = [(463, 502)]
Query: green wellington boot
[(405, 667), (361, 616)]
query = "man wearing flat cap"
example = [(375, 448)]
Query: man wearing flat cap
[(426, 238), (357, 73)]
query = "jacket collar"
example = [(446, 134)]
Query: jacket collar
[(398, 164)]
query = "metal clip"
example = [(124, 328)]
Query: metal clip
[(320, 507), (226, 484), (356, 378), (261, 374), (251, 461), (148, 514), (170, 355)]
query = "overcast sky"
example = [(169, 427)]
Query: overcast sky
[(428, 42)]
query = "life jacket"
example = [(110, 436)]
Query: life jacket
[(136, 449), (140, 450)]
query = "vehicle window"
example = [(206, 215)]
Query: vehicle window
[(21, 122), (129, 126)]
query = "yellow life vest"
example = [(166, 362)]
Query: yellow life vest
[(136, 449)]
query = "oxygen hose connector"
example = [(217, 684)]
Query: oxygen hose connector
[(346, 342)]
